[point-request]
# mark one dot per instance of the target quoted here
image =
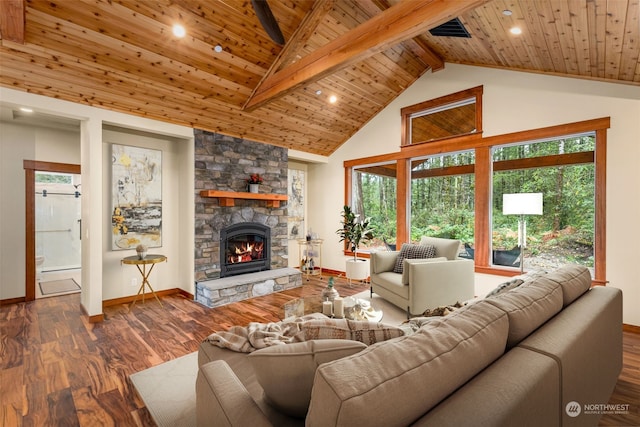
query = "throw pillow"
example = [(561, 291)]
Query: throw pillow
[(356, 330), (443, 310), (286, 371), (411, 251), (504, 287)]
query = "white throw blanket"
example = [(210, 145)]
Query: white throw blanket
[(260, 335)]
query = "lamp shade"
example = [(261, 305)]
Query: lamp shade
[(522, 204)]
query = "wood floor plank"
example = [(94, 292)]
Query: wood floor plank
[(61, 370)]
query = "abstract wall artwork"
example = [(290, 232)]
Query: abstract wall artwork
[(136, 212), (295, 204)]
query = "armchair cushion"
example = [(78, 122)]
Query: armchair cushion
[(444, 247), (411, 251)]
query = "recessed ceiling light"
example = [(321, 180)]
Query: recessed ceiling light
[(515, 30), (507, 12), (333, 99), (218, 48), (318, 92), (179, 31), (26, 110)]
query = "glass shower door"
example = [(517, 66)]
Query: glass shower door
[(58, 226)]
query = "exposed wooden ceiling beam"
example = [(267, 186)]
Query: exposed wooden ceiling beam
[(12, 20), (303, 33), (417, 46), (422, 50), (403, 21), (288, 54)]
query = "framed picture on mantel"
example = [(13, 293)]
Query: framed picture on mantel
[(136, 195)]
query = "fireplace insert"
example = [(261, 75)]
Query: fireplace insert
[(245, 248)]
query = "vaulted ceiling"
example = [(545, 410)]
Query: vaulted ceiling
[(227, 75)]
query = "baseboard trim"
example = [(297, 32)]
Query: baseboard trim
[(630, 328), (10, 301), (147, 295)]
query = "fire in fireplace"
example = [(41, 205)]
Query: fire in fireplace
[(245, 251), (244, 248)]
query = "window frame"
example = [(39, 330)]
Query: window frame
[(411, 111), (483, 171)]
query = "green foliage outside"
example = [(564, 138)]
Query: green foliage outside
[(54, 178), (443, 205)]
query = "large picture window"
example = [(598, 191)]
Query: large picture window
[(563, 170), (453, 188), (442, 197)]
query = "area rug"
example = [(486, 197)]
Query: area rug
[(168, 391), (58, 286)]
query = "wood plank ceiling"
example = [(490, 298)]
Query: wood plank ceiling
[(122, 55)]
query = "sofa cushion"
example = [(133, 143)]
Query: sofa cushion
[(286, 371), (357, 330), (419, 370), (504, 287), (411, 251), (574, 279), (528, 306), (448, 248)]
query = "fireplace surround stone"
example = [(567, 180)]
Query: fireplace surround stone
[(223, 163)]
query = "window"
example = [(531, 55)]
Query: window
[(563, 170), (458, 114), (476, 171), (54, 178), (374, 195), (442, 197)]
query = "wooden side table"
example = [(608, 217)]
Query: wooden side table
[(142, 268)]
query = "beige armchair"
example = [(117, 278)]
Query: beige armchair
[(424, 283)]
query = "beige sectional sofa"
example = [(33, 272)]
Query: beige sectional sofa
[(528, 356)]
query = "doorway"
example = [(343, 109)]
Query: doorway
[(53, 243), (58, 233)]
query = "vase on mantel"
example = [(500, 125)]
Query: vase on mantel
[(253, 188)]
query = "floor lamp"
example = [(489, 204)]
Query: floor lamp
[(522, 204)]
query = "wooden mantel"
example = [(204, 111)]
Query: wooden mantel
[(227, 198)]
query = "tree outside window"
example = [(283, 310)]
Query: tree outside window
[(564, 171), (374, 196), (442, 198)]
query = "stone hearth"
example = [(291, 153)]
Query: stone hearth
[(214, 293)]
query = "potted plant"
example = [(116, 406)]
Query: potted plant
[(254, 182), (355, 231)]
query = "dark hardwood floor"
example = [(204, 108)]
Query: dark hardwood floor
[(58, 370)]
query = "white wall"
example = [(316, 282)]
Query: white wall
[(117, 278), (512, 101), (19, 142), (16, 143), (98, 277)]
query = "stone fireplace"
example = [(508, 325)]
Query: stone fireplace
[(223, 163)]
